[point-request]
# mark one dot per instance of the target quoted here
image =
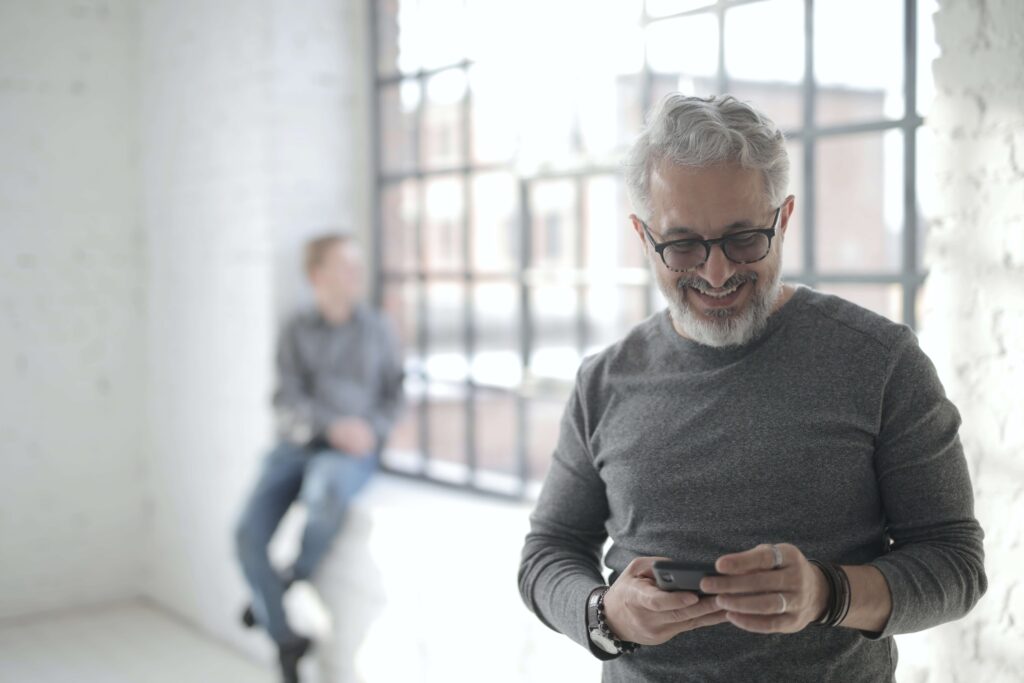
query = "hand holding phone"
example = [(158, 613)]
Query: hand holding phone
[(681, 576)]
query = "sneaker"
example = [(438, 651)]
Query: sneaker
[(289, 654), (306, 612)]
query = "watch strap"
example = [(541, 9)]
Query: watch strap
[(604, 643)]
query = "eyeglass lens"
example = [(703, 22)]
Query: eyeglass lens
[(745, 248)]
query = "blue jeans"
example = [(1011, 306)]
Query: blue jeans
[(325, 481)]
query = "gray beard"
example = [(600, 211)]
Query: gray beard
[(726, 329)]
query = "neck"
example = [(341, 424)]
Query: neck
[(337, 313)]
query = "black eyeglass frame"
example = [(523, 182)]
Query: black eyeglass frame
[(660, 247)]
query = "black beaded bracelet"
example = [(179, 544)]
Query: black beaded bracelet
[(837, 606), (624, 646)]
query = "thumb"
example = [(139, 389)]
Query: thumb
[(642, 567)]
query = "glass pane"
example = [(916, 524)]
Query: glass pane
[(442, 27), (612, 311), (793, 249), (404, 440), (401, 304), (408, 33), (398, 104), (855, 83), (630, 108), (443, 224), (397, 33), (496, 427), (662, 8), (781, 102), (554, 224), (496, 318), (598, 115), (685, 45), (555, 321), (665, 84), (441, 143), (543, 417), (493, 126), (446, 355), (764, 43), (859, 190), (399, 209), (610, 241), (885, 300), (495, 228), (446, 415)]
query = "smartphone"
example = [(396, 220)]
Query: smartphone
[(681, 576)]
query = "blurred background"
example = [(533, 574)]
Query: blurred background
[(161, 164)]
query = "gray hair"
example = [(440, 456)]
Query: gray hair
[(698, 132)]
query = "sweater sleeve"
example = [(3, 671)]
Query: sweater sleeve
[(561, 556), (935, 569), (295, 413)]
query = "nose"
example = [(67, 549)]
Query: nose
[(717, 269)]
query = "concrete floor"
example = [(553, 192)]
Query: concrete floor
[(131, 642)]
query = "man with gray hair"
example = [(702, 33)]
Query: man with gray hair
[(798, 450)]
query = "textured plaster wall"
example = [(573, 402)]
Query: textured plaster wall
[(973, 318), (71, 306), (248, 120)]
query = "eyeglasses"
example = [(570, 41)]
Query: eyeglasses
[(745, 246)]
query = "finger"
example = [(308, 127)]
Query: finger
[(653, 599), (762, 603), (761, 582), (642, 566), (780, 623), (760, 558), (709, 619), (697, 610)]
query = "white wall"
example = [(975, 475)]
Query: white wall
[(249, 145), (71, 309), (973, 318)]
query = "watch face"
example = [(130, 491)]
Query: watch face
[(603, 641)]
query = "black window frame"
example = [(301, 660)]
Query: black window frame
[(910, 276)]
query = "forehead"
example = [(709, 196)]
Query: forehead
[(346, 251), (708, 197)]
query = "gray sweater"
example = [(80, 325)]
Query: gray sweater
[(830, 431), (329, 371)]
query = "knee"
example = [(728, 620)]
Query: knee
[(323, 498)]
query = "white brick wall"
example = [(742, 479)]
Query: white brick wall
[(973, 318), (247, 111), (71, 315)]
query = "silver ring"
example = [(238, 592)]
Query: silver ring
[(776, 557), (784, 604)]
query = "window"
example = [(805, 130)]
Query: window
[(503, 249)]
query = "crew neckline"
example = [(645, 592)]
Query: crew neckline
[(719, 354)]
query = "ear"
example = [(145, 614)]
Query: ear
[(788, 205), (638, 228)]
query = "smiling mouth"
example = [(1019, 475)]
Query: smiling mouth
[(719, 298)]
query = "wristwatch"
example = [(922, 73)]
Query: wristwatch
[(599, 634)]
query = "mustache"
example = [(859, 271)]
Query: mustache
[(701, 285)]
